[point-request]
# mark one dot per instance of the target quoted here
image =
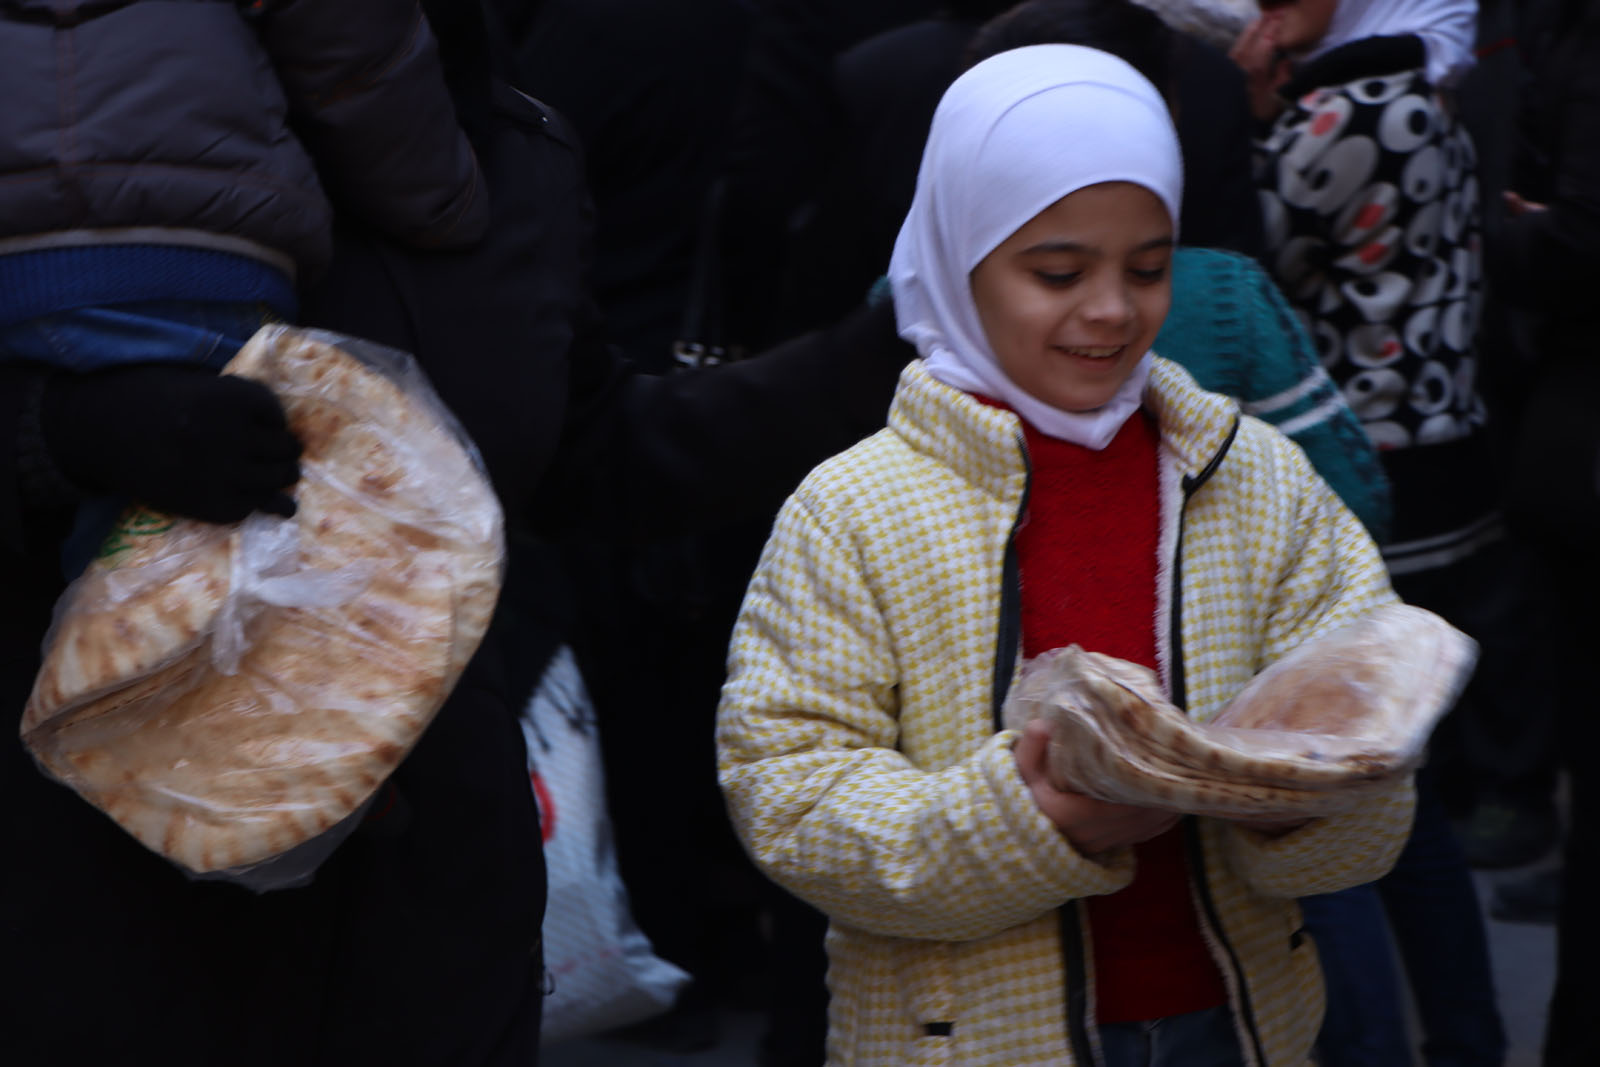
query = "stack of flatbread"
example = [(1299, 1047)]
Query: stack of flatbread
[(226, 693), (1338, 718)]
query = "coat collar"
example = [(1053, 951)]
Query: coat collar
[(983, 444)]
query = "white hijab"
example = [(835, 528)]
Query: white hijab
[(1448, 28), (1012, 136)]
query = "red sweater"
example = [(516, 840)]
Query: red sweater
[(1087, 556)]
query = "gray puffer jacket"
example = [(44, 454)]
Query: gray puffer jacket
[(176, 115)]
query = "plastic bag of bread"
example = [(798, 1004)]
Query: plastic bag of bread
[(231, 694), (1339, 717)]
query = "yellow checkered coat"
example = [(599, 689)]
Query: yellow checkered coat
[(861, 761)]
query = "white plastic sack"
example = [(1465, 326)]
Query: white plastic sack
[(1217, 22), (602, 972)]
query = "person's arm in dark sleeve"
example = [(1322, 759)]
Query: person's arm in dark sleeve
[(368, 96), (1221, 207), (647, 455), (177, 437), (1544, 260)]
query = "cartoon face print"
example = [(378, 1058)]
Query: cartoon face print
[(1297, 269), (1375, 394), (1422, 332), (1422, 236), (1432, 275), (1318, 132), (1458, 324), (1441, 428), (1327, 340), (1385, 434), (1373, 345), (1336, 176), (1381, 90), (1423, 179), (1463, 275), (1407, 123), (1366, 215), (1379, 296), (1434, 391), (1374, 255)]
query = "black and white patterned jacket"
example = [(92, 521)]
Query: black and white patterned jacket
[(1374, 232)]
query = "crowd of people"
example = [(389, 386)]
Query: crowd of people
[(830, 361)]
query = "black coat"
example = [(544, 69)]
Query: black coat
[(649, 88), (1544, 265), (417, 942)]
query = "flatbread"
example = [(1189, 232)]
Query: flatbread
[(1083, 759), (1340, 717), (1385, 679), (220, 769), (150, 598)]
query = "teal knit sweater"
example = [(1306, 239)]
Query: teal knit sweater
[(1231, 328)]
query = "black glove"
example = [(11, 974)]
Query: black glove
[(177, 437)]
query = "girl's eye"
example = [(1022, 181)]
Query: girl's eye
[(1150, 276), (1057, 279)]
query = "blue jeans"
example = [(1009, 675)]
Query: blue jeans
[(86, 339), (1197, 1039), (1430, 904)]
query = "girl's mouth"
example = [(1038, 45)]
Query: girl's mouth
[(1092, 351)]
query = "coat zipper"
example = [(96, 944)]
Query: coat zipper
[(1084, 1047), (1008, 642), (1008, 646), (1210, 922)]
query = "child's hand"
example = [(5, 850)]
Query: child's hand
[(1265, 68), (1091, 826)]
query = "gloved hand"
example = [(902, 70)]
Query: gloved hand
[(177, 437)]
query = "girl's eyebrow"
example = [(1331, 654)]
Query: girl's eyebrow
[(1074, 246)]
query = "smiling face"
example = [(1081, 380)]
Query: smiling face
[(1300, 23), (1073, 300)]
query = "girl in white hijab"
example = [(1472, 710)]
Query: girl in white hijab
[(1034, 126), (1043, 481)]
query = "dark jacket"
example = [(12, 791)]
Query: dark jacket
[(177, 115), (649, 88), (418, 941), (1543, 264)]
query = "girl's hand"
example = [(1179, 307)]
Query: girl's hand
[(1091, 826), (1265, 69)]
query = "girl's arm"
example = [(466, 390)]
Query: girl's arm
[(828, 807), (1331, 574)]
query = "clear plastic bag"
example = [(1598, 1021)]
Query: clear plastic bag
[(233, 695), (1339, 718)]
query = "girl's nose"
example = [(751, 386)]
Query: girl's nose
[(1108, 304)]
